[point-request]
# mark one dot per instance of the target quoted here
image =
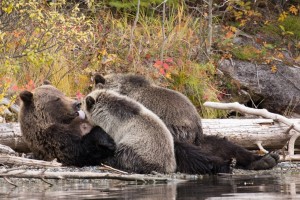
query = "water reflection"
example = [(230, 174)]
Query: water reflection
[(215, 187)]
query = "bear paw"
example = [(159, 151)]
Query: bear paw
[(267, 161)]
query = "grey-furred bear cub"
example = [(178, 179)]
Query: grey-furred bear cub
[(184, 123), (143, 142)]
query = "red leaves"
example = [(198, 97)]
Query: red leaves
[(79, 95), (29, 86), (164, 66)]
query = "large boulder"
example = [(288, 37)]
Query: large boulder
[(277, 90)]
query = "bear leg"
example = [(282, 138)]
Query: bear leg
[(245, 159), (193, 160)]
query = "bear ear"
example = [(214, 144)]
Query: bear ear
[(26, 97), (99, 79), (47, 82), (90, 101)]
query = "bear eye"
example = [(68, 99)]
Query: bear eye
[(57, 99), (78, 105)]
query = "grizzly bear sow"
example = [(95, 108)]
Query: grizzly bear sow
[(51, 127)]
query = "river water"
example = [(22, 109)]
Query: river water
[(275, 186)]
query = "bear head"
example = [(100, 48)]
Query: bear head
[(121, 83), (46, 105)]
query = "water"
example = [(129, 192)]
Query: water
[(280, 186)]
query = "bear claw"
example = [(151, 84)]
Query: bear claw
[(267, 161)]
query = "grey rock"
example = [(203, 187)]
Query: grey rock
[(277, 91)]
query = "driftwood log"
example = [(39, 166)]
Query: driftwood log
[(265, 113), (245, 132), (10, 135), (251, 133), (142, 178), (20, 161)]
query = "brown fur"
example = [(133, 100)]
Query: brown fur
[(52, 129)]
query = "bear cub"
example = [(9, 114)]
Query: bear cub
[(144, 143)]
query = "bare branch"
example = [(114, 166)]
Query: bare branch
[(163, 31), (94, 175), (7, 180), (14, 160), (133, 27), (113, 169), (210, 31), (259, 144)]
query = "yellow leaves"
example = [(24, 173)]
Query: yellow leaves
[(280, 56), (284, 32), (238, 15), (298, 45), (107, 58), (231, 31), (293, 10), (282, 16), (8, 9), (273, 69), (243, 22), (2, 35), (268, 46), (297, 60)]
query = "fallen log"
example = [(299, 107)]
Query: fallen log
[(18, 161), (10, 135), (251, 132), (245, 132), (265, 113)]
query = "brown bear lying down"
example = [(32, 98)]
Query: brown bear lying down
[(52, 128)]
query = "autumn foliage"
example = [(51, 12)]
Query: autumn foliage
[(66, 43)]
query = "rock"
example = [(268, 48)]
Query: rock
[(278, 90)]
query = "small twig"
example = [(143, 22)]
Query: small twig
[(261, 148), (51, 184), (247, 93), (133, 27), (289, 129), (210, 29), (113, 169), (7, 180), (231, 62), (257, 77), (290, 81), (223, 4), (160, 4), (163, 31)]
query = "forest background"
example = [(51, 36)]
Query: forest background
[(177, 43)]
